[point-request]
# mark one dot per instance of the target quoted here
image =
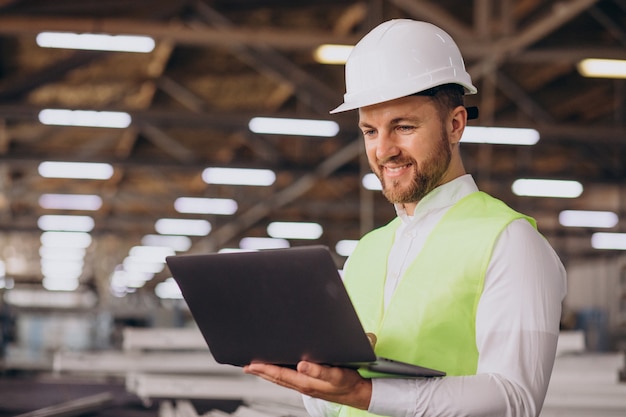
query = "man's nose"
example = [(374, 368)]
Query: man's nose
[(387, 146)]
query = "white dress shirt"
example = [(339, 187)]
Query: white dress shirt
[(517, 324)]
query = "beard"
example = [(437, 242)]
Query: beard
[(425, 178)]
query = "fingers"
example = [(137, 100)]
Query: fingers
[(279, 375), (334, 384)]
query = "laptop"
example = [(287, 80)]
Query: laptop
[(278, 306)]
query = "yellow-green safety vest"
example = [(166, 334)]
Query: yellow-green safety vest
[(430, 320)]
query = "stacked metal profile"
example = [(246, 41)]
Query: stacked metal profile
[(174, 366)]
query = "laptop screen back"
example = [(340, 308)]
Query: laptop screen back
[(275, 306)]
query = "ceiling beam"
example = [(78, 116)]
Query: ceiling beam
[(502, 49), (426, 10), (605, 134), (176, 32), (310, 91), (18, 86)]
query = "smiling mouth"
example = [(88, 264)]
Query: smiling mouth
[(395, 170)]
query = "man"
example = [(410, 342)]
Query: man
[(458, 281)]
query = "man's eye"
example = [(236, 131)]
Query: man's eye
[(368, 132), (406, 128)]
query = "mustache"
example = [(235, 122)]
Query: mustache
[(397, 160)]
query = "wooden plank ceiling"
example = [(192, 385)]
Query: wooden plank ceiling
[(219, 63)]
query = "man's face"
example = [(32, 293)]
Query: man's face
[(407, 147)]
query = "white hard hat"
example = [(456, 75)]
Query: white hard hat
[(398, 58)]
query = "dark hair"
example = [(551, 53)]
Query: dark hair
[(446, 97)]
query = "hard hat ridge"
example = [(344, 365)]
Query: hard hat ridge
[(398, 58)]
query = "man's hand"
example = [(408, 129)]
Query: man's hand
[(339, 385)]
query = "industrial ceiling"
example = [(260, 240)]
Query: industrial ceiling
[(219, 63)]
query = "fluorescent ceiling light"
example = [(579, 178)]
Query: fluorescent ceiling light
[(332, 54), (602, 68), (23, 297), (371, 182), (168, 289), (70, 202), (609, 241), (60, 253), (66, 223), (151, 253), (60, 283), (66, 239), (294, 230), (259, 243), (135, 264), (547, 188), (183, 227), (178, 243), (61, 268), (345, 247), (500, 135), (85, 118), (301, 127), (586, 218), (95, 42), (122, 280), (235, 250), (199, 205), (77, 170), (239, 176), (7, 283)]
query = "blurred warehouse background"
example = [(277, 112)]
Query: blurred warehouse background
[(111, 160)]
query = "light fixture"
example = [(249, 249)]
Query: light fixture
[(6, 283), (168, 289), (34, 297), (85, 118), (151, 253), (64, 223), (588, 218), (61, 253), (301, 127), (547, 188), (88, 202), (235, 250), (500, 135), (183, 227), (95, 42), (602, 68), (122, 280), (136, 264), (295, 230), (66, 239), (239, 176), (61, 268), (602, 240), (177, 243), (76, 170), (345, 247), (332, 54), (259, 243), (371, 182), (56, 283), (200, 205)]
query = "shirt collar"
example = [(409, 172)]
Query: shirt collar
[(443, 196)]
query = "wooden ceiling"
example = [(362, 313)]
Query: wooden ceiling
[(219, 63)]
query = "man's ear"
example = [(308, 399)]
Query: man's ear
[(457, 123)]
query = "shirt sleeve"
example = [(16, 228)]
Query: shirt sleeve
[(517, 327), (320, 408)]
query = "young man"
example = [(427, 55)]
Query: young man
[(457, 281)]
